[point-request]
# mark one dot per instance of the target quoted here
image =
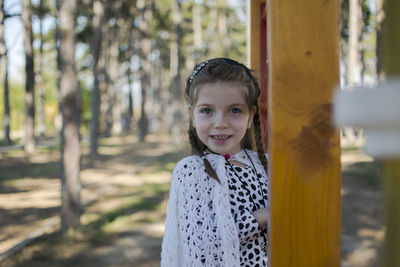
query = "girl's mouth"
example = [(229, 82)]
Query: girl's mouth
[(220, 139)]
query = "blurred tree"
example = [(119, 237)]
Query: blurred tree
[(154, 44), (4, 75), (176, 70), (355, 30), (365, 41), (145, 10), (185, 33), (57, 39), (30, 76), (225, 31), (355, 46), (162, 29), (176, 49), (112, 49), (70, 101), (353, 56), (197, 31), (223, 9), (380, 16), (98, 22), (129, 73), (41, 11)]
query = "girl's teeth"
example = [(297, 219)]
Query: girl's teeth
[(220, 137)]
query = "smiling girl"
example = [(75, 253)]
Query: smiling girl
[(217, 212)]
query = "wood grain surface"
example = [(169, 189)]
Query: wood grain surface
[(303, 53)]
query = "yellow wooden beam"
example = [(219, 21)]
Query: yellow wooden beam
[(391, 196), (303, 53), (391, 38), (391, 167)]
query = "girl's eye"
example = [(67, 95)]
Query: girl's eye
[(235, 110), (205, 110)]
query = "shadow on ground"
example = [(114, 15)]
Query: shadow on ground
[(362, 230), (123, 226)]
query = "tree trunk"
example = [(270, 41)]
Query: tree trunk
[(129, 73), (4, 76), (98, 21), (145, 83), (223, 31), (30, 76), (112, 70), (145, 6), (57, 39), (353, 56), (40, 81), (156, 103), (175, 72), (69, 92), (380, 15), (213, 21), (129, 118), (197, 30), (211, 29), (195, 49)]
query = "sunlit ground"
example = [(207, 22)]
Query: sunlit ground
[(124, 193), (362, 230)]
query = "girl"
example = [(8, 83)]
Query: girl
[(217, 212)]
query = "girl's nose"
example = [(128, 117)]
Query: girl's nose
[(221, 121)]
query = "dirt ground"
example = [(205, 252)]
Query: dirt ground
[(125, 172), (125, 190), (362, 230)]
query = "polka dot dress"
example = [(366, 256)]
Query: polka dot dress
[(246, 197)]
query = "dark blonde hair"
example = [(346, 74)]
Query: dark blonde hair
[(225, 69)]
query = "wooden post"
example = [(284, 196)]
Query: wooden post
[(258, 56), (391, 167), (391, 39), (391, 187), (304, 148)]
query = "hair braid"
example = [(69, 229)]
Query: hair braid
[(198, 149), (259, 141)]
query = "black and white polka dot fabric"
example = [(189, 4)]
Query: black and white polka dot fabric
[(242, 206), (210, 224)]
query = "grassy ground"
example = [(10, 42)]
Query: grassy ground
[(125, 192), (362, 230)]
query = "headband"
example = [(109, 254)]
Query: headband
[(198, 68)]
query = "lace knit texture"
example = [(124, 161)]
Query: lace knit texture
[(200, 228)]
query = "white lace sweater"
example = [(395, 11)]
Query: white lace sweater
[(200, 229)]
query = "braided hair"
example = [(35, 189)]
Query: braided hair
[(225, 69)]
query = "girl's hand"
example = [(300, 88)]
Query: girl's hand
[(261, 216)]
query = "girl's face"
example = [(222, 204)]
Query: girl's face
[(221, 116)]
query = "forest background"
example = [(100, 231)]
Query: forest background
[(172, 37), (99, 68)]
